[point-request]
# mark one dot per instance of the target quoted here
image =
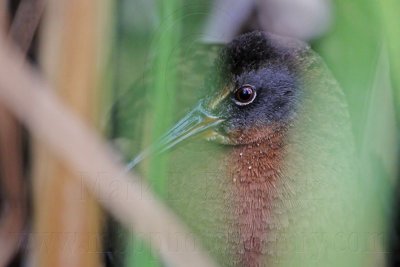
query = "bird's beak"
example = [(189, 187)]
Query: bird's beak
[(198, 121)]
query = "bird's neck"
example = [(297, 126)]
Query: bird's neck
[(255, 172)]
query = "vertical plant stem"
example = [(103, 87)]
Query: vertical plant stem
[(13, 193), (162, 94), (68, 218), (23, 28), (164, 86)]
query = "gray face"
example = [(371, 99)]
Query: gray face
[(256, 99), (255, 84)]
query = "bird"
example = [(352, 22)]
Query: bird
[(262, 167)]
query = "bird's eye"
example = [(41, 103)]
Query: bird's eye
[(245, 95)]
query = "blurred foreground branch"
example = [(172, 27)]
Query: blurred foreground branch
[(83, 151), (26, 22)]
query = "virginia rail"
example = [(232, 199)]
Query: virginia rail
[(279, 165)]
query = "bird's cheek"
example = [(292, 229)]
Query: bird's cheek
[(248, 135), (235, 134), (216, 135)]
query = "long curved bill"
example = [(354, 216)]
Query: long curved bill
[(195, 122)]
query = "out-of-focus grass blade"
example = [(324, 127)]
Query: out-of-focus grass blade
[(161, 94), (163, 89), (378, 160), (391, 27), (353, 50)]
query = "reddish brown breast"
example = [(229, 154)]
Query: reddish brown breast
[(255, 170)]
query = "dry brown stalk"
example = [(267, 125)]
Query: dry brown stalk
[(12, 186), (69, 49)]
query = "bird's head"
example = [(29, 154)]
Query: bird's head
[(254, 86)]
